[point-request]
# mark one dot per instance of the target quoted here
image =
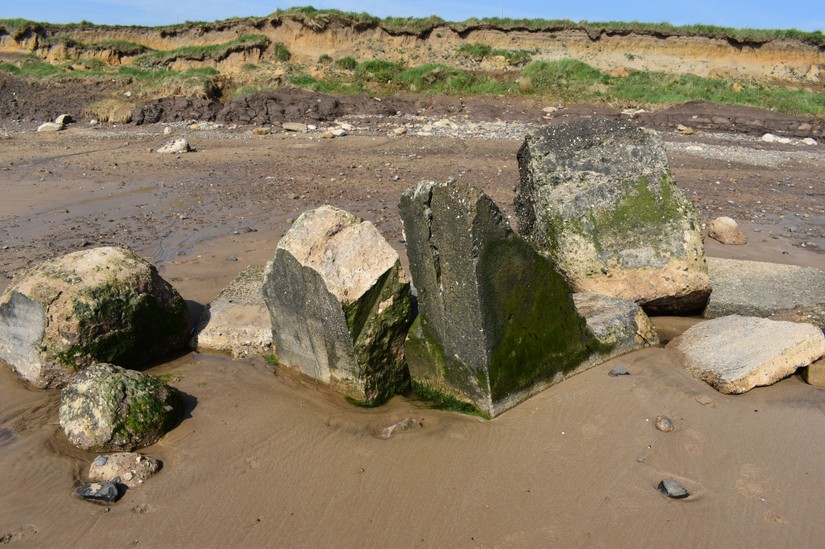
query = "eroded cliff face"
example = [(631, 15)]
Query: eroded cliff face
[(616, 52)]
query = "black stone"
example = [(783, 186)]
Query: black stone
[(672, 489), (98, 492)]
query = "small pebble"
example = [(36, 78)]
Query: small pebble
[(664, 424), (672, 489), (618, 371)]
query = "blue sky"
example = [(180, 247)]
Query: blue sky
[(806, 15)]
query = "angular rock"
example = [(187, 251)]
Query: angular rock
[(598, 198), (617, 371), (128, 468), (726, 231), (815, 374), (64, 119), (102, 304), (176, 146), (294, 127), (734, 354), (98, 492), (618, 324), (50, 127), (753, 288), (237, 321), (673, 489), (496, 322), (809, 314), (107, 408), (340, 305)]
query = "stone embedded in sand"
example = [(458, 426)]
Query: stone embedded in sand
[(815, 373), (673, 489), (406, 424), (237, 321), (754, 288), (98, 492), (97, 305), (664, 424), (50, 127), (64, 119), (129, 468), (175, 147), (734, 354), (726, 231), (496, 322), (618, 324), (107, 408), (294, 127), (597, 196), (340, 305)]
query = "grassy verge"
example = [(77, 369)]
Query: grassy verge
[(215, 52)]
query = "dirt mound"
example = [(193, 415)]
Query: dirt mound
[(37, 101)]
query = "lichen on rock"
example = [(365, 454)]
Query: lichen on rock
[(107, 408)]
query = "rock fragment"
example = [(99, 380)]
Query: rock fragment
[(617, 371), (618, 324), (176, 146), (673, 489), (64, 119), (50, 127), (664, 424), (340, 305), (496, 322), (727, 231), (128, 468), (734, 354), (815, 374), (598, 198), (108, 408), (101, 304), (294, 127), (237, 321), (405, 424), (98, 492)]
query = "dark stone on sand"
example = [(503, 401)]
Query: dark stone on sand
[(672, 489), (98, 492)]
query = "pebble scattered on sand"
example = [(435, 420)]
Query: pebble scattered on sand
[(673, 489), (618, 371), (664, 424)]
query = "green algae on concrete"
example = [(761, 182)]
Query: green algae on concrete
[(496, 322), (340, 305), (107, 407)]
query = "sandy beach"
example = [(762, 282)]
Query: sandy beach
[(264, 458)]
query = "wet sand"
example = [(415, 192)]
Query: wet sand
[(267, 458)]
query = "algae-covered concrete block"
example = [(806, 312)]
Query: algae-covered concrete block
[(340, 305), (496, 322), (598, 198), (102, 304)]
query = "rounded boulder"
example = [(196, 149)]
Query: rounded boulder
[(108, 408)]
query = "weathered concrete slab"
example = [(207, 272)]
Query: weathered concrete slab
[(620, 325), (340, 305), (496, 322), (754, 288), (736, 353), (237, 321), (598, 198)]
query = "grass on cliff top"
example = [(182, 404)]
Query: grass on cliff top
[(212, 51)]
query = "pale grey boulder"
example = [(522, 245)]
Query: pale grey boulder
[(755, 288), (620, 325), (496, 322), (107, 408), (50, 127), (96, 305), (176, 146), (598, 198), (735, 353), (340, 305), (237, 321)]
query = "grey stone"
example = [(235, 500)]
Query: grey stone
[(294, 127), (598, 198), (340, 305), (128, 468), (109, 408), (735, 353), (406, 424), (101, 304), (175, 147), (496, 322), (618, 371), (753, 288), (98, 492), (664, 424), (673, 489), (237, 321), (620, 325), (64, 119)]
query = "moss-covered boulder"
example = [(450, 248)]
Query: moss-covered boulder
[(340, 305), (597, 197), (496, 322), (98, 305), (108, 408)]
